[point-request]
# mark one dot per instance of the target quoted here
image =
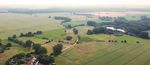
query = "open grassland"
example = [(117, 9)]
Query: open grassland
[(130, 39), (53, 34), (93, 53), (21, 23), (34, 39)]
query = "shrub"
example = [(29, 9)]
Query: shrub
[(69, 38)]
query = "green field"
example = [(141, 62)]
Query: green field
[(106, 54), (17, 23), (54, 34), (91, 52)]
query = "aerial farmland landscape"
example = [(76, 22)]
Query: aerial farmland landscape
[(73, 32)]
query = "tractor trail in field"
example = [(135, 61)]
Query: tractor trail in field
[(147, 62), (103, 55), (98, 50), (136, 56), (121, 55)]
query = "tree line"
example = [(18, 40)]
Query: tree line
[(133, 28), (26, 44), (64, 19), (30, 34), (106, 18), (4, 47)]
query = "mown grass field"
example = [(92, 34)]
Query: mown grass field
[(93, 53)]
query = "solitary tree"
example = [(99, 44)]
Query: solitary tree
[(46, 60), (40, 50), (8, 45), (57, 49), (75, 31), (89, 32), (36, 46), (68, 38), (1, 44), (14, 36), (137, 42), (28, 43), (125, 41), (21, 34)]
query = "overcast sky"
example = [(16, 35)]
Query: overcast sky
[(72, 3)]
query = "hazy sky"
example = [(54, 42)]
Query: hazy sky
[(72, 3)]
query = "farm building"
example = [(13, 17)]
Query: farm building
[(114, 29)]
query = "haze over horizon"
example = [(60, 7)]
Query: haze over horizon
[(73, 3)]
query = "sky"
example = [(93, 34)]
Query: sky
[(72, 3)]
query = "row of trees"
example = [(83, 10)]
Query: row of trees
[(4, 47), (69, 26), (91, 23), (30, 34), (106, 18), (64, 19), (97, 30), (28, 43)]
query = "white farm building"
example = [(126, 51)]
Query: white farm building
[(114, 29)]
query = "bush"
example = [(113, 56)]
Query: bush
[(69, 38), (1, 50), (46, 60), (75, 31), (8, 45), (89, 32), (1, 44), (40, 50), (28, 43), (137, 42)]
